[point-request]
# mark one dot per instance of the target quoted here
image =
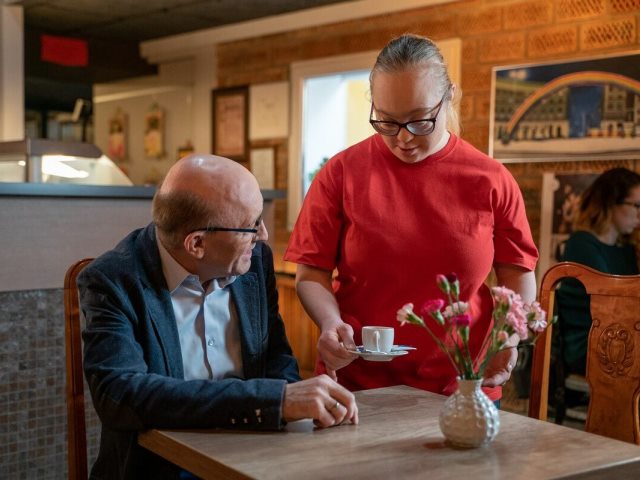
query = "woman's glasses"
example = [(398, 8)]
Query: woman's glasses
[(633, 204), (415, 127)]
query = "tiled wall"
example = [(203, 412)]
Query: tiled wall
[(33, 416)]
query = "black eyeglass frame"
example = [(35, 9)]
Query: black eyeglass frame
[(225, 229), (231, 229), (407, 125), (633, 204)]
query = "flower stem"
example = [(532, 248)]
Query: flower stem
[(482, 348), (463, 360), (442, 346)]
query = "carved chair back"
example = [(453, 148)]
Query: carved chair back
[(613, 354)]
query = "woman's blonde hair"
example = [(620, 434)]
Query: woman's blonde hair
[(411, 51)]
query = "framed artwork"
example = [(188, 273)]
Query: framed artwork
[(269, 111), (154, 132), (230, 127), (563, 111), (561, 194), (263, 167), (117, 144)]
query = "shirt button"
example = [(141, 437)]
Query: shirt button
[(210, 342)]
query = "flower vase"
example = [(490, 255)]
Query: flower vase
[(468, 418)]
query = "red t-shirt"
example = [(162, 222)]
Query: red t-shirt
[(390, 227)]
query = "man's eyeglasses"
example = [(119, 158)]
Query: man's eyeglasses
[(415, 127), (254, 230), (633, 204), (225, 229)]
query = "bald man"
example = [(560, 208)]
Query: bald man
[(183, 329)]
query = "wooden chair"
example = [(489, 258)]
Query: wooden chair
[(613, 355), (77, 430)]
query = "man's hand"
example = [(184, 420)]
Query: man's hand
[(499, 368), (334, 345), (320, 398)]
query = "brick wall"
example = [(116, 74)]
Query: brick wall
[(493, 33)]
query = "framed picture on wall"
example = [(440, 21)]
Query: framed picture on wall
[(118, 126), (263, 166), (585, 109), (230, 108), (154, 132), (561, 194)]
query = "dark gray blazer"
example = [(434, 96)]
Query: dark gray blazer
[(133, 361)]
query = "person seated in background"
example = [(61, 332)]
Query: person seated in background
[(609, 213), (183, 329)]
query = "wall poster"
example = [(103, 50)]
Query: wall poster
[(230, 126), (574, 110), (117, 146), (154, 132)]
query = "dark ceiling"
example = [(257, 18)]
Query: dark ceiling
[(113, 30), (137, 20)]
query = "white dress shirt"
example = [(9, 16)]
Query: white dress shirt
[(207, 322)]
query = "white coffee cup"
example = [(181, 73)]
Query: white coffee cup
[(377, 339)]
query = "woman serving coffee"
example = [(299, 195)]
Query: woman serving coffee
[(391, 212)]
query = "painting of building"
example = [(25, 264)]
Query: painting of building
[(577, 110)]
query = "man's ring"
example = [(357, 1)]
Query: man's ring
[(335, 405)]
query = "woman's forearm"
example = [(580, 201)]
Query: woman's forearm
[(316, 294), (517, 279)]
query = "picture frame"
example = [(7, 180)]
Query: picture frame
[(230, 110), (154, 132), (263, 166), (117, 147), (269, 111), (561, 195), (579, 109)]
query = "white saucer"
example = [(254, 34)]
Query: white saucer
[(396, 351)]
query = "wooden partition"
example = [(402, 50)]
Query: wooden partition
[(301, 331)]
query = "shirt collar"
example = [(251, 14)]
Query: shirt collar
[(175, 274)]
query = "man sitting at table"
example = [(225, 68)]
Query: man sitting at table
[(183, 329)]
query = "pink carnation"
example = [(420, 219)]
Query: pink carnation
[(404, 312), (536, 318), (462, 320), (443, 284), (517, 320), (510, 316), (431, 306), (456, 308), (503, 336), (502, 295)]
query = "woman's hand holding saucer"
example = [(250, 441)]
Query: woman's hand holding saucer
[(334, 345)]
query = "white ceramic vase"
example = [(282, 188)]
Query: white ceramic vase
[(468, 418)]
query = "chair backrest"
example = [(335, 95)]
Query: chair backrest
[(613, 353), (77, 430)]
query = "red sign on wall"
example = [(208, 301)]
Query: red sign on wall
[(70, 52)]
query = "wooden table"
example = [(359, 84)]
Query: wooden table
[(398, 437)]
